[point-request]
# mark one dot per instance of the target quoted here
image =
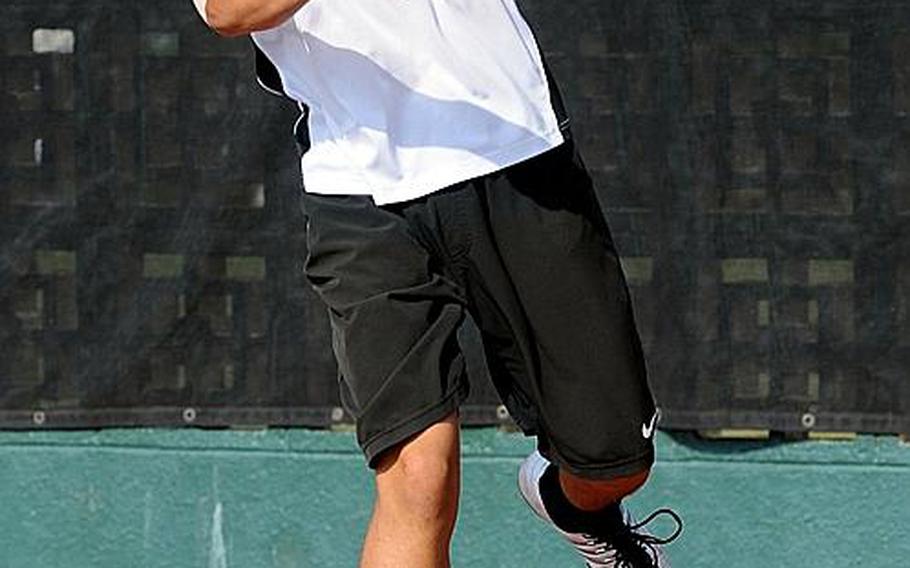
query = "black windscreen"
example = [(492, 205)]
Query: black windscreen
[(753, 159)]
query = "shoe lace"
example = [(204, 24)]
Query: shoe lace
[(630, 548)]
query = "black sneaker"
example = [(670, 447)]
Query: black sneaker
[(619, 542)]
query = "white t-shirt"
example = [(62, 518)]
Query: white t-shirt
[(406, 97)]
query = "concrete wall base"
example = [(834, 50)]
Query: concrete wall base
[(294, 498)]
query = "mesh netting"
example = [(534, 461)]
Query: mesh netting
[(753, 159)]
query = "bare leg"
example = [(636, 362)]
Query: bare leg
[(592, 495), (417, 486)]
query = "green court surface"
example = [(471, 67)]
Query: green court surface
[(295, 498)]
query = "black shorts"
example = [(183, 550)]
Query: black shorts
[(527, 252)]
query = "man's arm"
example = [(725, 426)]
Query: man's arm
[(239, 17)]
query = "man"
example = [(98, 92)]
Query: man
[(440, 176)]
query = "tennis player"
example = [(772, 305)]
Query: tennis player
[(441, 179)]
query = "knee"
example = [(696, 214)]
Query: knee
[(596, 493), (418, 479), (628, 484), (421, 484)]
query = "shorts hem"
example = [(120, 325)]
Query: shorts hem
[(629, 466), (414, 424)]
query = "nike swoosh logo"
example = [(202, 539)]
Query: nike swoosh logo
[(648, 429)]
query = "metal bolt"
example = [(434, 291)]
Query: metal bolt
[(39, 417), (502, 412), (337, 414), (808, 420), (189, 414)]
